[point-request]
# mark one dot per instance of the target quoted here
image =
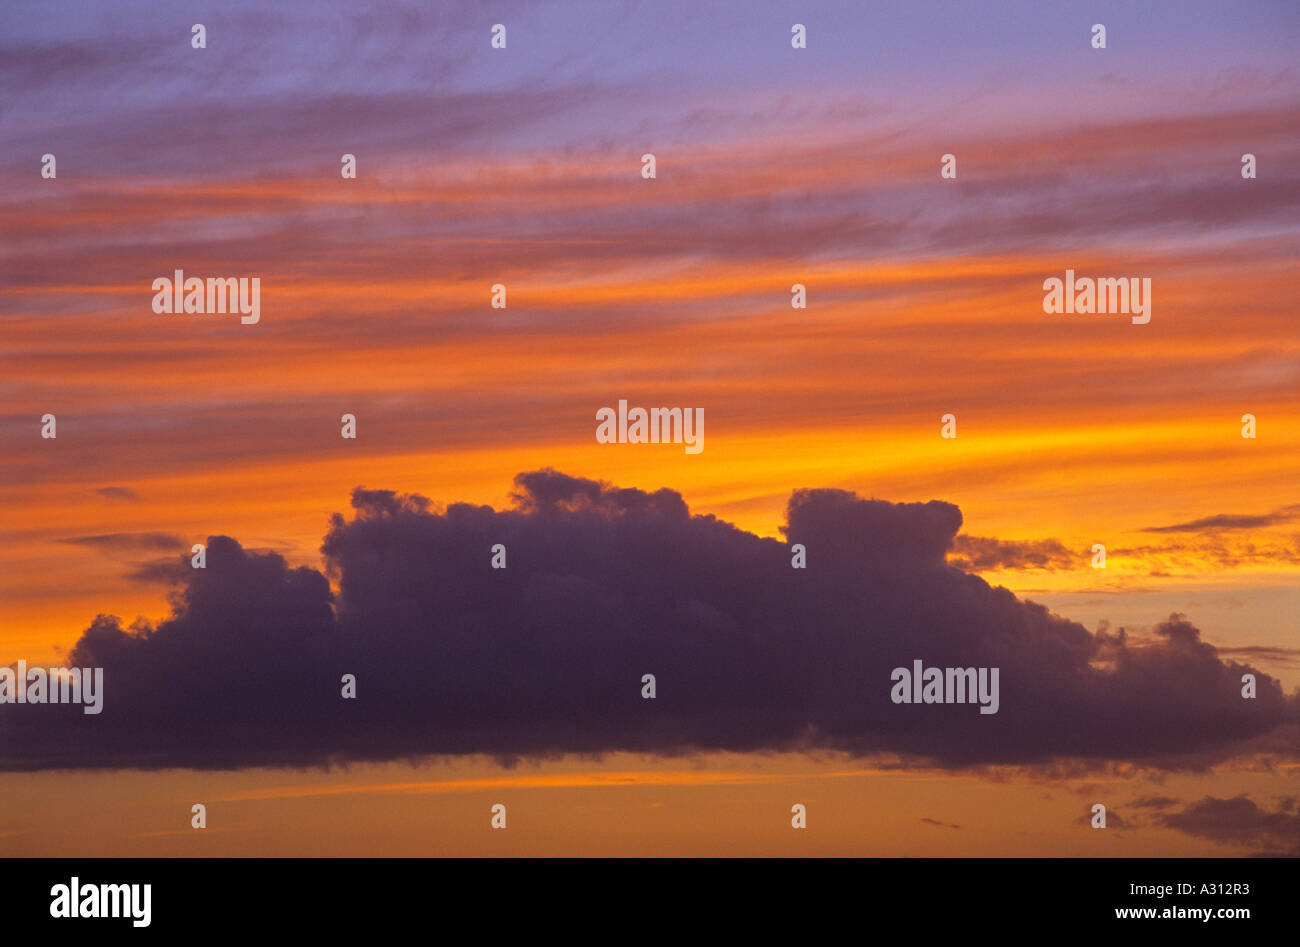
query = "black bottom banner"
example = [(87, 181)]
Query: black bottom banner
[(144, 897)]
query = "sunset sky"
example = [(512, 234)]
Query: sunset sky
[(775, 166)]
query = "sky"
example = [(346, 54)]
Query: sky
[(774, 166)]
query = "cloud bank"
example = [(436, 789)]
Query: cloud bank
[(604, 585)]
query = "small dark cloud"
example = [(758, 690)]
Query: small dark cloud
[(1283, 657), (985, 554), (1239, 821), (1229, 521), (118, 493), (1223, 550), (127, 541), (1154, 802), (161, 571), (946, 825)]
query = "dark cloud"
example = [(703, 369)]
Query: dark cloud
[(127, 541), (984, 553), (118, 493), (165, 569), (1190, 557), (1240, 821), (158, 570), (1284, 657), (1154, 802), (1227, 521), (945, 825), (604, 585)]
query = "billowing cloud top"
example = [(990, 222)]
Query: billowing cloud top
[(602, 586)]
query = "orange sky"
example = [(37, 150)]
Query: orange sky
[(712, 806)]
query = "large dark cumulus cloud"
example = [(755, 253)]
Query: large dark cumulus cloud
[(604, 585)]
